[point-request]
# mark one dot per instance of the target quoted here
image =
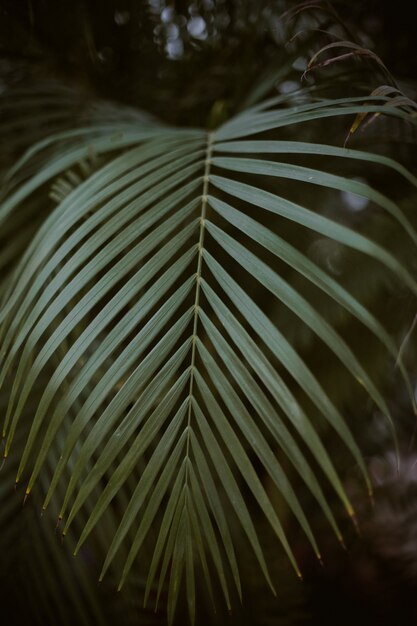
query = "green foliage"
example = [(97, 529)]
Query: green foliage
[(153, 395)]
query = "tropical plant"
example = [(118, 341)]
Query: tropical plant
[(161, 307)]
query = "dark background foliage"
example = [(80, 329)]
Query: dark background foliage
[(149, 53), (161, 57)]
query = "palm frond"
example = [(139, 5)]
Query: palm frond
[(142, 291)]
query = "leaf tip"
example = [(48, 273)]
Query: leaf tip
[(355, 523), (342, 543)]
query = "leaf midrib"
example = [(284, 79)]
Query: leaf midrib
[(204, 202)]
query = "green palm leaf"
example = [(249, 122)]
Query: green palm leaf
[(140, 292)]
